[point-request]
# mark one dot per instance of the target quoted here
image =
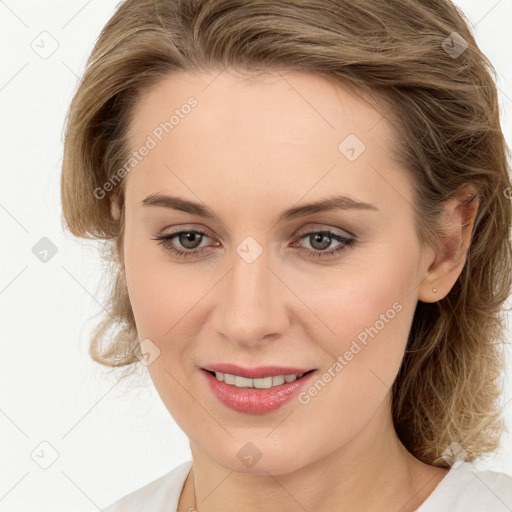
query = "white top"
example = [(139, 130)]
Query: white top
[(463, 489)]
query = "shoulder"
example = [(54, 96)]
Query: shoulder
[(159, 495), (466, 489)]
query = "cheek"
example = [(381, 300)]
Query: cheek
[(366, 317), (160, 293), (363, 310), (166, 300), (161, 296)]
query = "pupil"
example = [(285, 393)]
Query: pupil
[(190, 240), (320, 241)]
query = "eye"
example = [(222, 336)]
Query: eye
[(320, 241), (189, 243), (190, 240)]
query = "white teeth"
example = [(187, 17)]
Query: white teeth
[(263, 383), (278, 380), (243, 382)]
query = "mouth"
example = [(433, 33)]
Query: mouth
[(256, 390), (267, 381)]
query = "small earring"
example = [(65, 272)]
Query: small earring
[(434, 290)]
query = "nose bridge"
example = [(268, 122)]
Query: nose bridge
[(251, 305)]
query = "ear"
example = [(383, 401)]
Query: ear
[(447, 262), (115, 210)]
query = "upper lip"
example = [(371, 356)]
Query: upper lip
[(257, 372)]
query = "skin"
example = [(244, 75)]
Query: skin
[(249, 150)]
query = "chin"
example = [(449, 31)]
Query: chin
[(260, 456)]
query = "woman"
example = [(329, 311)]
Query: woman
[(308, 203)]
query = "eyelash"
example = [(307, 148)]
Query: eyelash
[(346, 242)]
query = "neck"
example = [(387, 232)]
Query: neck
[(374, 471)]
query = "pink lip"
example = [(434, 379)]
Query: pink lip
[(255, 373), (256, 401)]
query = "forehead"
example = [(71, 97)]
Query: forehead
[(308, 106), (243, 132)]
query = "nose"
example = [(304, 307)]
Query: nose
[(251, 303)]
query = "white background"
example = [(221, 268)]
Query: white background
[(111, 439)]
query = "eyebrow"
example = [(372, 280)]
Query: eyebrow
[(328, 204)]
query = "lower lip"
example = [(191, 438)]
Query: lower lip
[(256, 401)]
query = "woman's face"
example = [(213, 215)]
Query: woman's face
[(330, 289)]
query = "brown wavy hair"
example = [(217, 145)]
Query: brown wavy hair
[(444, 110)]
